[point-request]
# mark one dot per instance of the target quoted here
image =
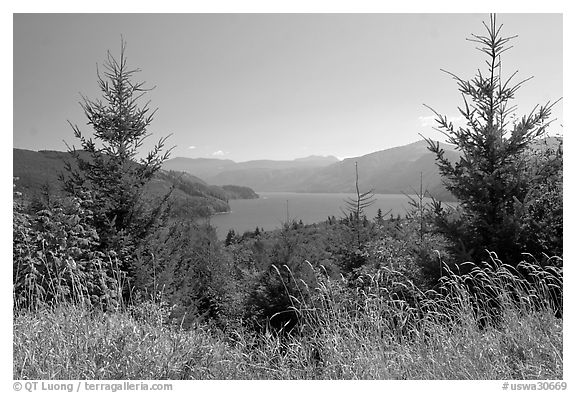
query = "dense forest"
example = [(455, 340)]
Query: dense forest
[(110, 285)]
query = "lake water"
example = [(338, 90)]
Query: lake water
[(269, 211)]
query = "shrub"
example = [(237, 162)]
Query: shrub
[(56, 257), (183, 264), (541, 210)]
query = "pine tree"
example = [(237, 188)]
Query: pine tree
[(230, 237), (106, 167), (355, 207), (492, 177), (379, 216)]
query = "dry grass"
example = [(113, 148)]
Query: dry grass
[(439, 339)]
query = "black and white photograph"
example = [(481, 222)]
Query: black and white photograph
[(287, 196)]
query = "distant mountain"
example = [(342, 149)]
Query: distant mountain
[(210, 167), (318, 160), (391, 171), (201, 167), (36, 171), (265, 179)]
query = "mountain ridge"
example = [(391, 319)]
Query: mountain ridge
[(390, 171), (37, 172), (395, 170), (209, 167)]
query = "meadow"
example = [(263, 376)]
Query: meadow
[(375, 335)]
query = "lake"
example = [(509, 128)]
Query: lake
[(271, 209)]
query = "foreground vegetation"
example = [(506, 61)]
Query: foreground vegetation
[(108, 285), (384, 338)]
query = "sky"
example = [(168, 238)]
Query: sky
[(273, 86)]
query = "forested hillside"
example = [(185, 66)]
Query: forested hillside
[(37, 176)]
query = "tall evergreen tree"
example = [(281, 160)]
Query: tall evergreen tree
[(107, 165), (492, 178)]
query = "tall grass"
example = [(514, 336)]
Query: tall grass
[(56, 258), (495, 322)]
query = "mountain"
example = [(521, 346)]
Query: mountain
[(265, 179), (206, 168), (39, 170), (201, 167), (35, 170), (391, 171), (318, 160)]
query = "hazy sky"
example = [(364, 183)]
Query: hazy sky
[(277, 86)]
